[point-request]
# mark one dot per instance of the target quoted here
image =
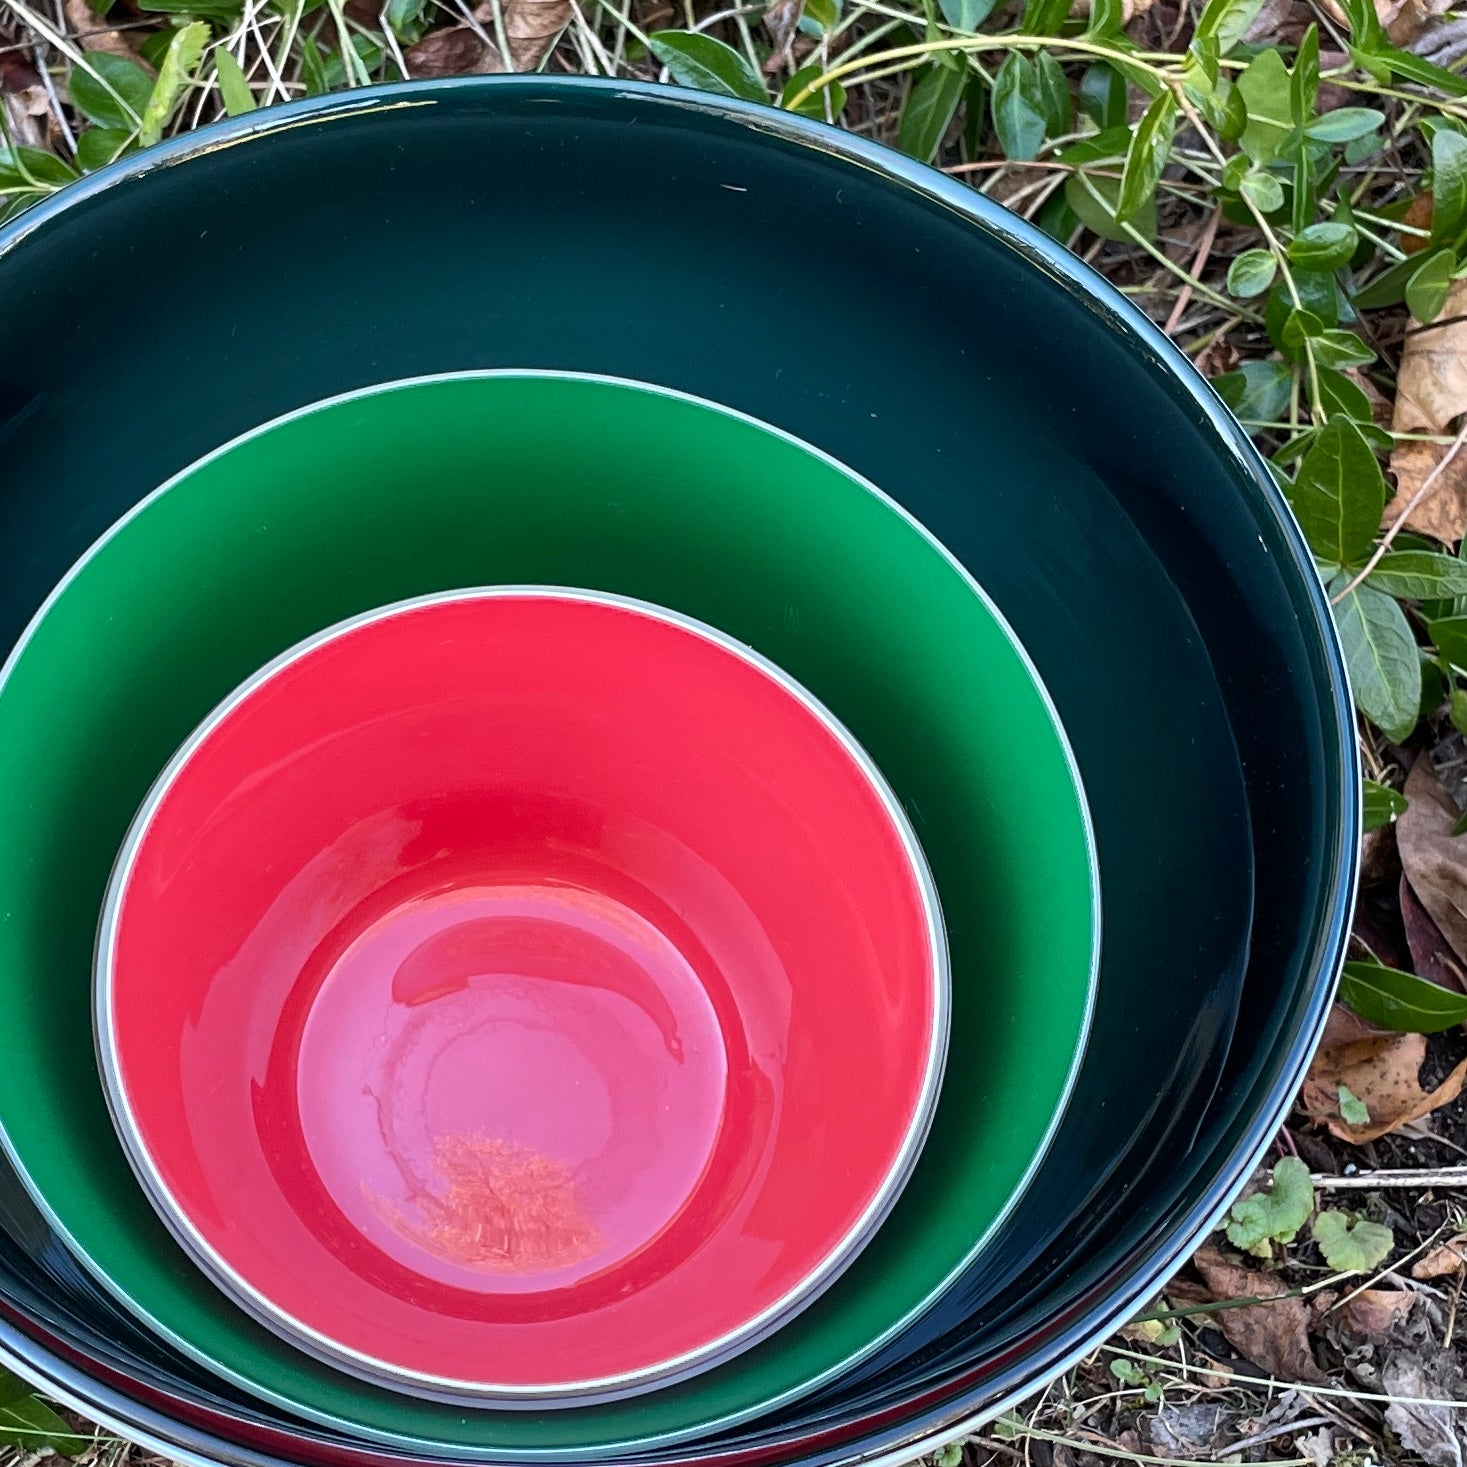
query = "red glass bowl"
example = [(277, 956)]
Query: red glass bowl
[(522, 995)]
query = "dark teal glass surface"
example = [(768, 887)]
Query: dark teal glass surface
[(1055, 442)]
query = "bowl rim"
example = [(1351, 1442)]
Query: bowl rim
[(383, 1371), (1169, 1243)]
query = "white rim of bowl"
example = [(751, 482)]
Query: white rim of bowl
[(248, 1380), (280, 1319)]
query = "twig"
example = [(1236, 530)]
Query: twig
[(1199, 261), (1427, 485), (1445, 1176), (1287, 1428)]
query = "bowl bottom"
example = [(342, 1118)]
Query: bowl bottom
[(509, 1086)]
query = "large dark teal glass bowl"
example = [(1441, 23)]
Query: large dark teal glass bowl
[(1048, 434)]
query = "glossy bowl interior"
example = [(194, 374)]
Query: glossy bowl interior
[(472, 480), (1052, 438), (478, 988)]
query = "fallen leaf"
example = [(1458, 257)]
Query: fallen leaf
[(456, 50), (1270, 22), (1412, 17), (1443, 1261), (781, 17), (530, 28), (1433, 859), (1384, 1071), (1275, 1335), (1431, 954), (1434, 1433), (1431, 392), (1192, 1432), (1374, 1314), (83, 23)]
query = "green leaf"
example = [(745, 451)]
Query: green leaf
[(1224, 21), (23, 167), (1352, 1245), (313, 68), (1276, 1214), (1426, 290), (1103, 96), (1383, 805), (1262, 190), (224, 12), (1106, 18), (814, 105), (1449, 636), (1448, 184), (1054, 88), (111, 91), (1353, 1110), (1419, 575), (949, 1456), (1044, 17), (704, 62), (1094, 201), (1323, 246), (1344, 124), (99, 146), (1018, 107), (1418, 69), (1380, 655), (966, 15), (1341, 349), (238, 98), (28, 1423), (931, 102), (1339, 494), (1151, 145), (1252, 273), (820, 17), (1304, 79), (180, 61), (1400, 1001), (1267, 96), (1340, 395), (1365, 27), (1257, 392)]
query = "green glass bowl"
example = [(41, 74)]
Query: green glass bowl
[(492, 477)]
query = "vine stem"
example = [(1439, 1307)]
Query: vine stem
[(1428, 485)]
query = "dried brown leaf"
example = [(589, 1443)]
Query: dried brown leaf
[(1443, 1261), (1433, 859), (530, 27), (1412, 17), (1433, 1433), (1383, 1070), (1274, 1336), (781, 17), (1432, 957), (87, 28), (1374, 1314), (456, 50), (1431, 393)]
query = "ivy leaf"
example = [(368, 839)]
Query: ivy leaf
[(1103, 96), (931, 102), (1419, 575), (1340, 395), (1448, 184), (1094, 201), (1341, 349), (1267, 95), (1018, 107), (1383, 806), (1054, 89), (238, 98), (1324, 246), (1352, 1245), (1353, 1110), (99, 146), (1344, 124), (1339, 494), (1276, 1214), (1151, 144), (1257, 392), (704, 62), (1224, 22), (1381, 657), (1400, 1001), (111, 91), (1252, 273), (180, 61)]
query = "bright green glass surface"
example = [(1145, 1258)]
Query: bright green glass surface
[(574, 481)]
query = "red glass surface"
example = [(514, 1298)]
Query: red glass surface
[(521, 991)]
